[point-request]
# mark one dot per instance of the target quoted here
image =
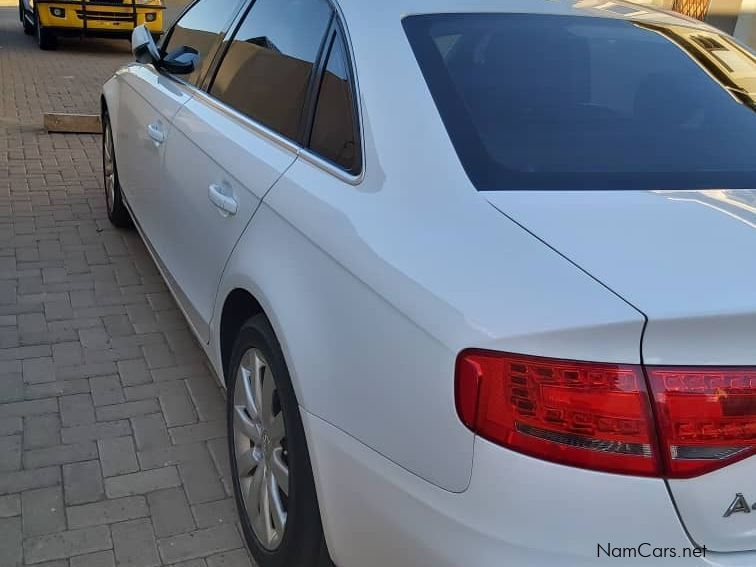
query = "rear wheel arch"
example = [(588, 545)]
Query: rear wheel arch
[(238, 307)]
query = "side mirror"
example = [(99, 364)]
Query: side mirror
[(143, 46), (181, 61)]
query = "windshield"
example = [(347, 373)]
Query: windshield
[(570, 102)]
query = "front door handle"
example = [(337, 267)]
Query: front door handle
[(156, 133), (220, 196)]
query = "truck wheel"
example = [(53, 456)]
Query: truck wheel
[(28, 26), (46, 39)]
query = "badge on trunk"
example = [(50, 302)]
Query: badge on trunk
[(739, 504)]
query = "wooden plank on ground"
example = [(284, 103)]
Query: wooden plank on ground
[(72, 123)]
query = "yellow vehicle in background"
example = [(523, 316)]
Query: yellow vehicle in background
[(49, 19)]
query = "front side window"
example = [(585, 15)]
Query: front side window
[(200, 27), (266, 71), (569, 102), (333, 131)]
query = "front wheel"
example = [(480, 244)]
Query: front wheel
[(28, 25), (117, 211), (46, 39), (272, 475)]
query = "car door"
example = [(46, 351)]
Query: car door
[(148, 101), (234, 142)]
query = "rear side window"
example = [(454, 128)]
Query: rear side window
[(200, 27), (266, 71), (333, 131), (568, 102)]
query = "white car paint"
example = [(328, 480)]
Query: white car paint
[(375, 283)]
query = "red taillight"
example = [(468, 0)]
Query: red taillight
[(706, 417), (597, 416), (588, 415)]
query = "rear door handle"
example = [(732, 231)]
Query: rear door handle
[(220, 196), (156, 133)]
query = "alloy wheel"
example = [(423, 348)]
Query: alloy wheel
[(260, 447), (109, 168)]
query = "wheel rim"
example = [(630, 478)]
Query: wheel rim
[(260, 446), (109, 168)]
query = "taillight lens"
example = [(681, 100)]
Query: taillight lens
[(706, 417), (589, 415), (598, 416)]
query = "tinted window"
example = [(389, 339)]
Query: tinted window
[(266, 71), (200, 28), (566, 102), (333, 131)]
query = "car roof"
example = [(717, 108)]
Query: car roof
[(617, 9)]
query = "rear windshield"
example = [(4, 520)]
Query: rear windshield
[(570, 102)]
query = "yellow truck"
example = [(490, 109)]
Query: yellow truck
[(49, 19)]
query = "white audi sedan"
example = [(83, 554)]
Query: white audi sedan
[(478, 276)]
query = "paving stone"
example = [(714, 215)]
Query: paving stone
[(178, 408), (158, 356), (10, 453), (150, 431), (97, 559), (76, 410), (207, 396), (170, 512), (141, 482), (127, 410), (57, 388), (66, 544), (180, 372), (190, 563), (106, 390), (43, 511), (57, 310), (118, 325), (60, 454), (107, 512), (41, 431), (36, 370), (117, 456), (93, 337), (210, 514), (235, 558), (67, 354), (10, 506), (173, 455), (10, 542), (201, 479), (219, 452), (198, 432), (22, 352), (11, 386), (11, 426), (200, 543), (34, 407), (95, 431), (134, 372), (83, 482), (134, 544), (18, 481)]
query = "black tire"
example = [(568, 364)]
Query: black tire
[(118, 214), (28, 27), (303, 543), (46, 39)]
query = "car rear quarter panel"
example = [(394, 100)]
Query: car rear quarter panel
[(373, 289)]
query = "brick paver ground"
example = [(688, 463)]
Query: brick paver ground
[(112, 448)]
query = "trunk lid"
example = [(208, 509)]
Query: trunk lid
[(684, 259)]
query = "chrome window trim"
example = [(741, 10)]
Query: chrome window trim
[(247, 122), (336, 171)]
